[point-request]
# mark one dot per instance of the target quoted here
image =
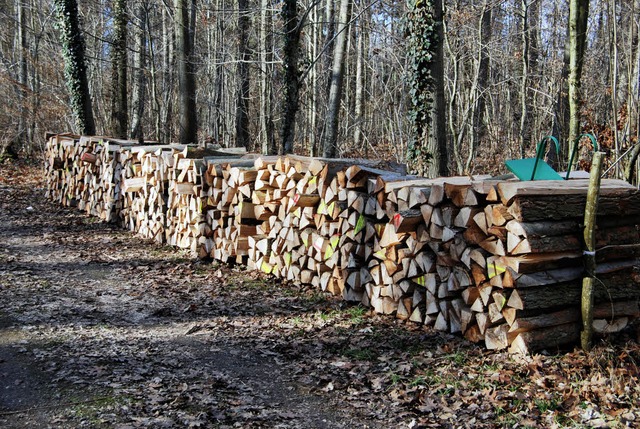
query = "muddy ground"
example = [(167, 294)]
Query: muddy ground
[(100, 329)]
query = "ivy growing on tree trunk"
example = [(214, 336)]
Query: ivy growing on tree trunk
[(427, 151), (74, 68)]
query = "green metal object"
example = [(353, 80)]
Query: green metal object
[(574, 150), (535, 168)]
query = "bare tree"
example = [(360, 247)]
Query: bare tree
[(578, 14), (291, 52), (525, 84), (329, 144), (266, 74), (186, 78), (242, 105), (119, 95), (140, 63), (478, 127), (362, 52)]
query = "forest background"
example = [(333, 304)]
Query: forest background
[(504, 65)]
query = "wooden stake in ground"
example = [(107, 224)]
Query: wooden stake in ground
[(590, 251)]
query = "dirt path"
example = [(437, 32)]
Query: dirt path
[(100, 329)]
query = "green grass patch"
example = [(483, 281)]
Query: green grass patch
[(312, 299), (356, 314), (544, 405), (459, 358), (360, 354), (90, 410)]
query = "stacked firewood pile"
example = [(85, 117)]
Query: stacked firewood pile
[(145, 190), (64, 170), (532, 235), (86, 172), (498, 261)]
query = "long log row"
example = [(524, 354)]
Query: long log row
[(498, 261)]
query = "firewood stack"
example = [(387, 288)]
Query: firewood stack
[(185, 220), (240, 220), (201, 190), (498, 261), (85, 172), (294, 237), (422, 251), (108, 196), (267, 212), (145, 190), (63, 169), (218, 198)]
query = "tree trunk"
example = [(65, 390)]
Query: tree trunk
[(119, 109), (535, 76), (36, 80), (21, 139), (578, 14), (329, 144), (165, 94), (438, 144), (361, 57), (314, 90), (613, 68), (329, 39), (138, 99), (525, 100), (242, 105), (560, 125), (186, 77), (634, 70), (218, 123), (291, 74), (266, 93), (478, 128), (75, 67)]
